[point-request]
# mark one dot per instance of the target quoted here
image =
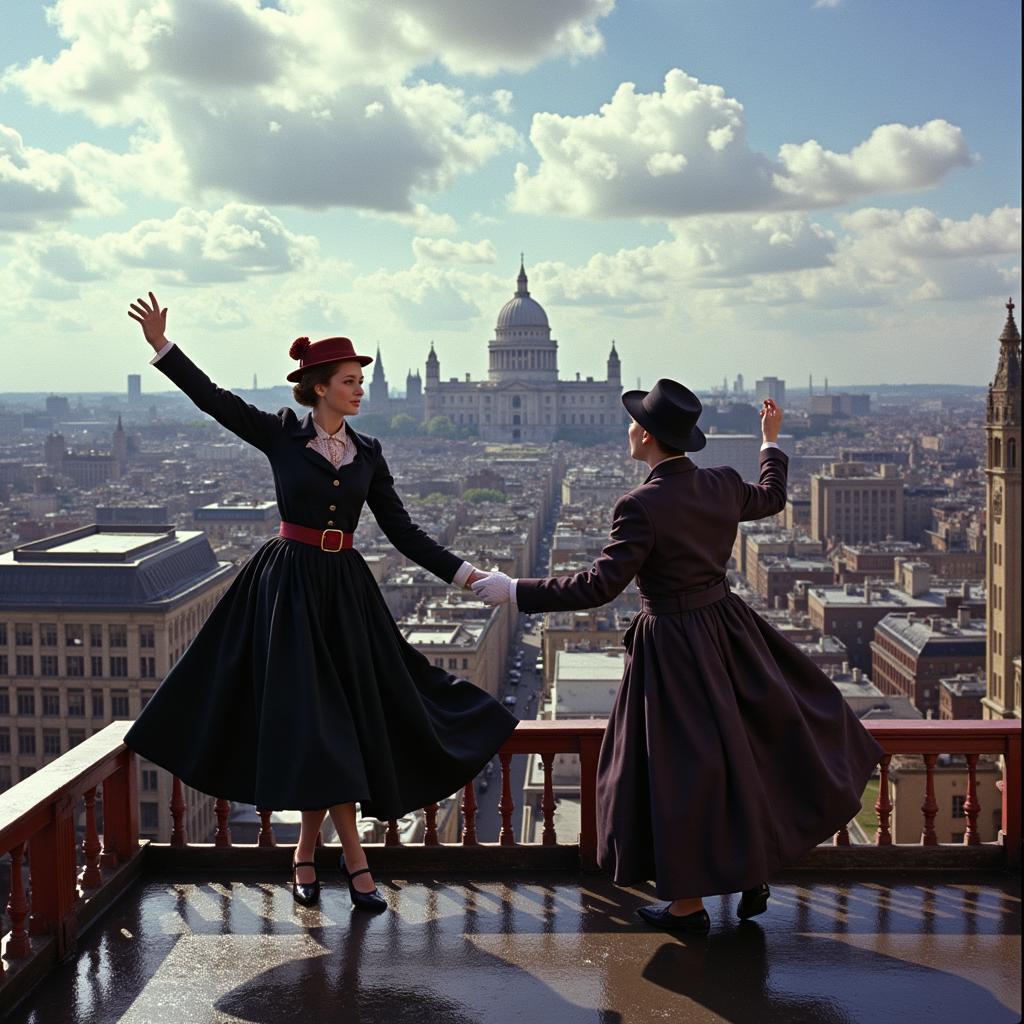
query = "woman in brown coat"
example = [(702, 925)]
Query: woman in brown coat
[(728, 754)]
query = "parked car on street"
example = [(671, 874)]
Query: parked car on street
[(509, 701)]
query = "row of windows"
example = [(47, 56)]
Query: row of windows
[(49, 703), (29, 741), (517, 401), (75, 664), (453, 663), (75, 634)]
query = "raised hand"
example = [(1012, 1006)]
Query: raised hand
[(771, 420), (153, 320)]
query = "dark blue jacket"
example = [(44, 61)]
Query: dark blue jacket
[(310, 491)]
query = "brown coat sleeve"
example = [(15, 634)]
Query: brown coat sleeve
[(767, 497), (631, 540)]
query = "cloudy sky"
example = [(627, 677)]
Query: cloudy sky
[(784, 187)]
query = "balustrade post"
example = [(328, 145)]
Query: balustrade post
[(392, 838), (267, 837), (53, 874), (548, 805), (1009, 834), (842, 837), (883, 805), (222, 837), (121, 812), (506, 805), (469, 814), (929, 808), (179, 829), (91, 877), (589, 749), (18, 943), (972, 805), (430, 829)]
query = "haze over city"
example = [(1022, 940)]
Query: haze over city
[(825, 187)]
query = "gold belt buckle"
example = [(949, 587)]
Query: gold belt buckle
[(341, 540)]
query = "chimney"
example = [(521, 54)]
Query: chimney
[(963, 616), (855, 674), (846, 667)]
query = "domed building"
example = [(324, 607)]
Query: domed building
[(522, 398)]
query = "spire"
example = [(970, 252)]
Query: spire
[(1008, 371), (120, 429), (378, 366), (613, 354), (521, 280)]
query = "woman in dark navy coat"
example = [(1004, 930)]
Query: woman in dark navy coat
[(300, 692), (728, 754)]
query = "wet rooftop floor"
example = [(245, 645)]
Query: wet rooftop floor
[(540, 948)]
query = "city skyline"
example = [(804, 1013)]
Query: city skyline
[(718, 189)]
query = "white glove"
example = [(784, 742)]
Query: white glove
[(494, 589)]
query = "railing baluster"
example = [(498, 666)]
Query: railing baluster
[(392, 838), (929, 808), (842, 837), (179, 830), (469, 814), (91, 876), (972, 805), (267, 837), (18, 943), (223, 834), (506, 806), (548, 805), (430, 830), (883, 805)]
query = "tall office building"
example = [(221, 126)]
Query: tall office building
[(771, 387), (852, 504), (135, 387), (1002, 487), (90, 622)]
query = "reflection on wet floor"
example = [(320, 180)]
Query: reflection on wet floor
[(543, 948)]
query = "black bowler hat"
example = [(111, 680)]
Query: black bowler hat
[(669, 412)]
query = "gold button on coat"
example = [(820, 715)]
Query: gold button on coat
[(337, 483), (332, 508), (330, 522)]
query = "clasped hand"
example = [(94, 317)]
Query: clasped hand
[(495, 588)]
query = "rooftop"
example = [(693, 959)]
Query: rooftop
[(540, 947)]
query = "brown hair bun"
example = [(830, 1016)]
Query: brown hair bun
[(298, 349)]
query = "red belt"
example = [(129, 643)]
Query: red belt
[(318, 538)]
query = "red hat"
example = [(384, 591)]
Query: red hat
[(327, 350)]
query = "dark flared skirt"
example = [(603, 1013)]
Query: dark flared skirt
[(300, 692), (728, 754)]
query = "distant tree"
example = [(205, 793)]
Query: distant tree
[(404, 426), (478, 495), (443, 427), (437, 498)]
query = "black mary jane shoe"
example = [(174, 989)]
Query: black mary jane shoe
[(753, 902), (305, 893), (697, 923), (372, 901)]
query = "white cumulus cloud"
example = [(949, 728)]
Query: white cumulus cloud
[(445, 250), (311, 102), (684, 152)]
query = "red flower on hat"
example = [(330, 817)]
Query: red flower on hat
[(298, 349)]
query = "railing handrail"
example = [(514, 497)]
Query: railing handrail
[(29, 804)]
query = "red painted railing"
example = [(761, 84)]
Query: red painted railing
[(38, 814)]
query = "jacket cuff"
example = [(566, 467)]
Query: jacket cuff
[(163, 351), (462, 574), (769, 444)]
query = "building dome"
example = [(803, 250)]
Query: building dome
[(521, 310)]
